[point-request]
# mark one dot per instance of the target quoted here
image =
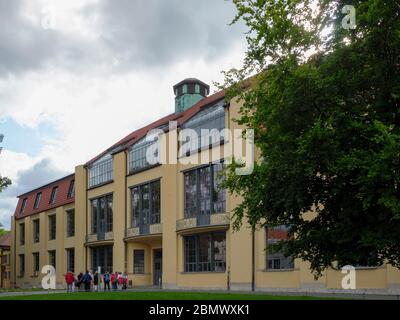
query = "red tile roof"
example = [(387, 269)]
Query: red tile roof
[(61, 197), (5, 240), (180, 118)]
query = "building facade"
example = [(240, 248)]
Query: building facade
[(5, 261), (165, 224)]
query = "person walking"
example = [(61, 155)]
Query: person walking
[(106, 279), (114, 281), (125, 281), (87, 279), (120, 281), (69, 279), (91, 282), (96, 281), (79, 281)]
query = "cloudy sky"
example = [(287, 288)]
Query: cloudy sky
[(77, 75)]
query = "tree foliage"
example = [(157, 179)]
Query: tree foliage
[(325, 107)]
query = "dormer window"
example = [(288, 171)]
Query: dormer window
[(71, 189), (37, 200), (53, 196), (23, 205)]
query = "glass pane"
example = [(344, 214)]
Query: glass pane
[(205, 190), (204, 252), (145, 204), (276, 259), (219, 251), (135, 207), (190, 194), (155, 186)]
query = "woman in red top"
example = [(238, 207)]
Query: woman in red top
[(69, 279)]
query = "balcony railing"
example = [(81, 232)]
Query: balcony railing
[(148, 229), (100, 236), (216, 219)]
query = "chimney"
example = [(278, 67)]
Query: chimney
[(188, 92)]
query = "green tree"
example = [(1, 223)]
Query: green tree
[(2, 231), (325, 109), (4, 183)]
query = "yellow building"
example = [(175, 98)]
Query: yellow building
[(160, 216), (5, 261)]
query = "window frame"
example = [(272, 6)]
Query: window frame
[(139, 266), (274, 257), (70, 262), (214, 193), (23, 205), (21, 261), (22, 234), (52, 222), (36, 262), (100, 172), (53, 196), (38, 198), (51, 257), (71, 189), (108, 218), (69, 213), (153, 215), (212, 265), (203, 120), (36, 230)]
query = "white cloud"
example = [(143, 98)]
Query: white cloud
[(77, 85)]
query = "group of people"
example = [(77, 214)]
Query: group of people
[(90, 281)]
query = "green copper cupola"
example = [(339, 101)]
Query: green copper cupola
[(188, 92)]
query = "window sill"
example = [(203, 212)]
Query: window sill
[(139, 274), (203, 272), (133, 172), (100, 185), (280, 270), (204, 148)]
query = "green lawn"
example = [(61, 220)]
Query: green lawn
[(155, 296)]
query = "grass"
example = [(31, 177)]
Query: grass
[(155, 296)]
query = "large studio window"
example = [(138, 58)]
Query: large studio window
[(205, 252), (101, 171), (208, 125), (276, 260), (145, 204), (202, 193), (102, 214), (145, 153)]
